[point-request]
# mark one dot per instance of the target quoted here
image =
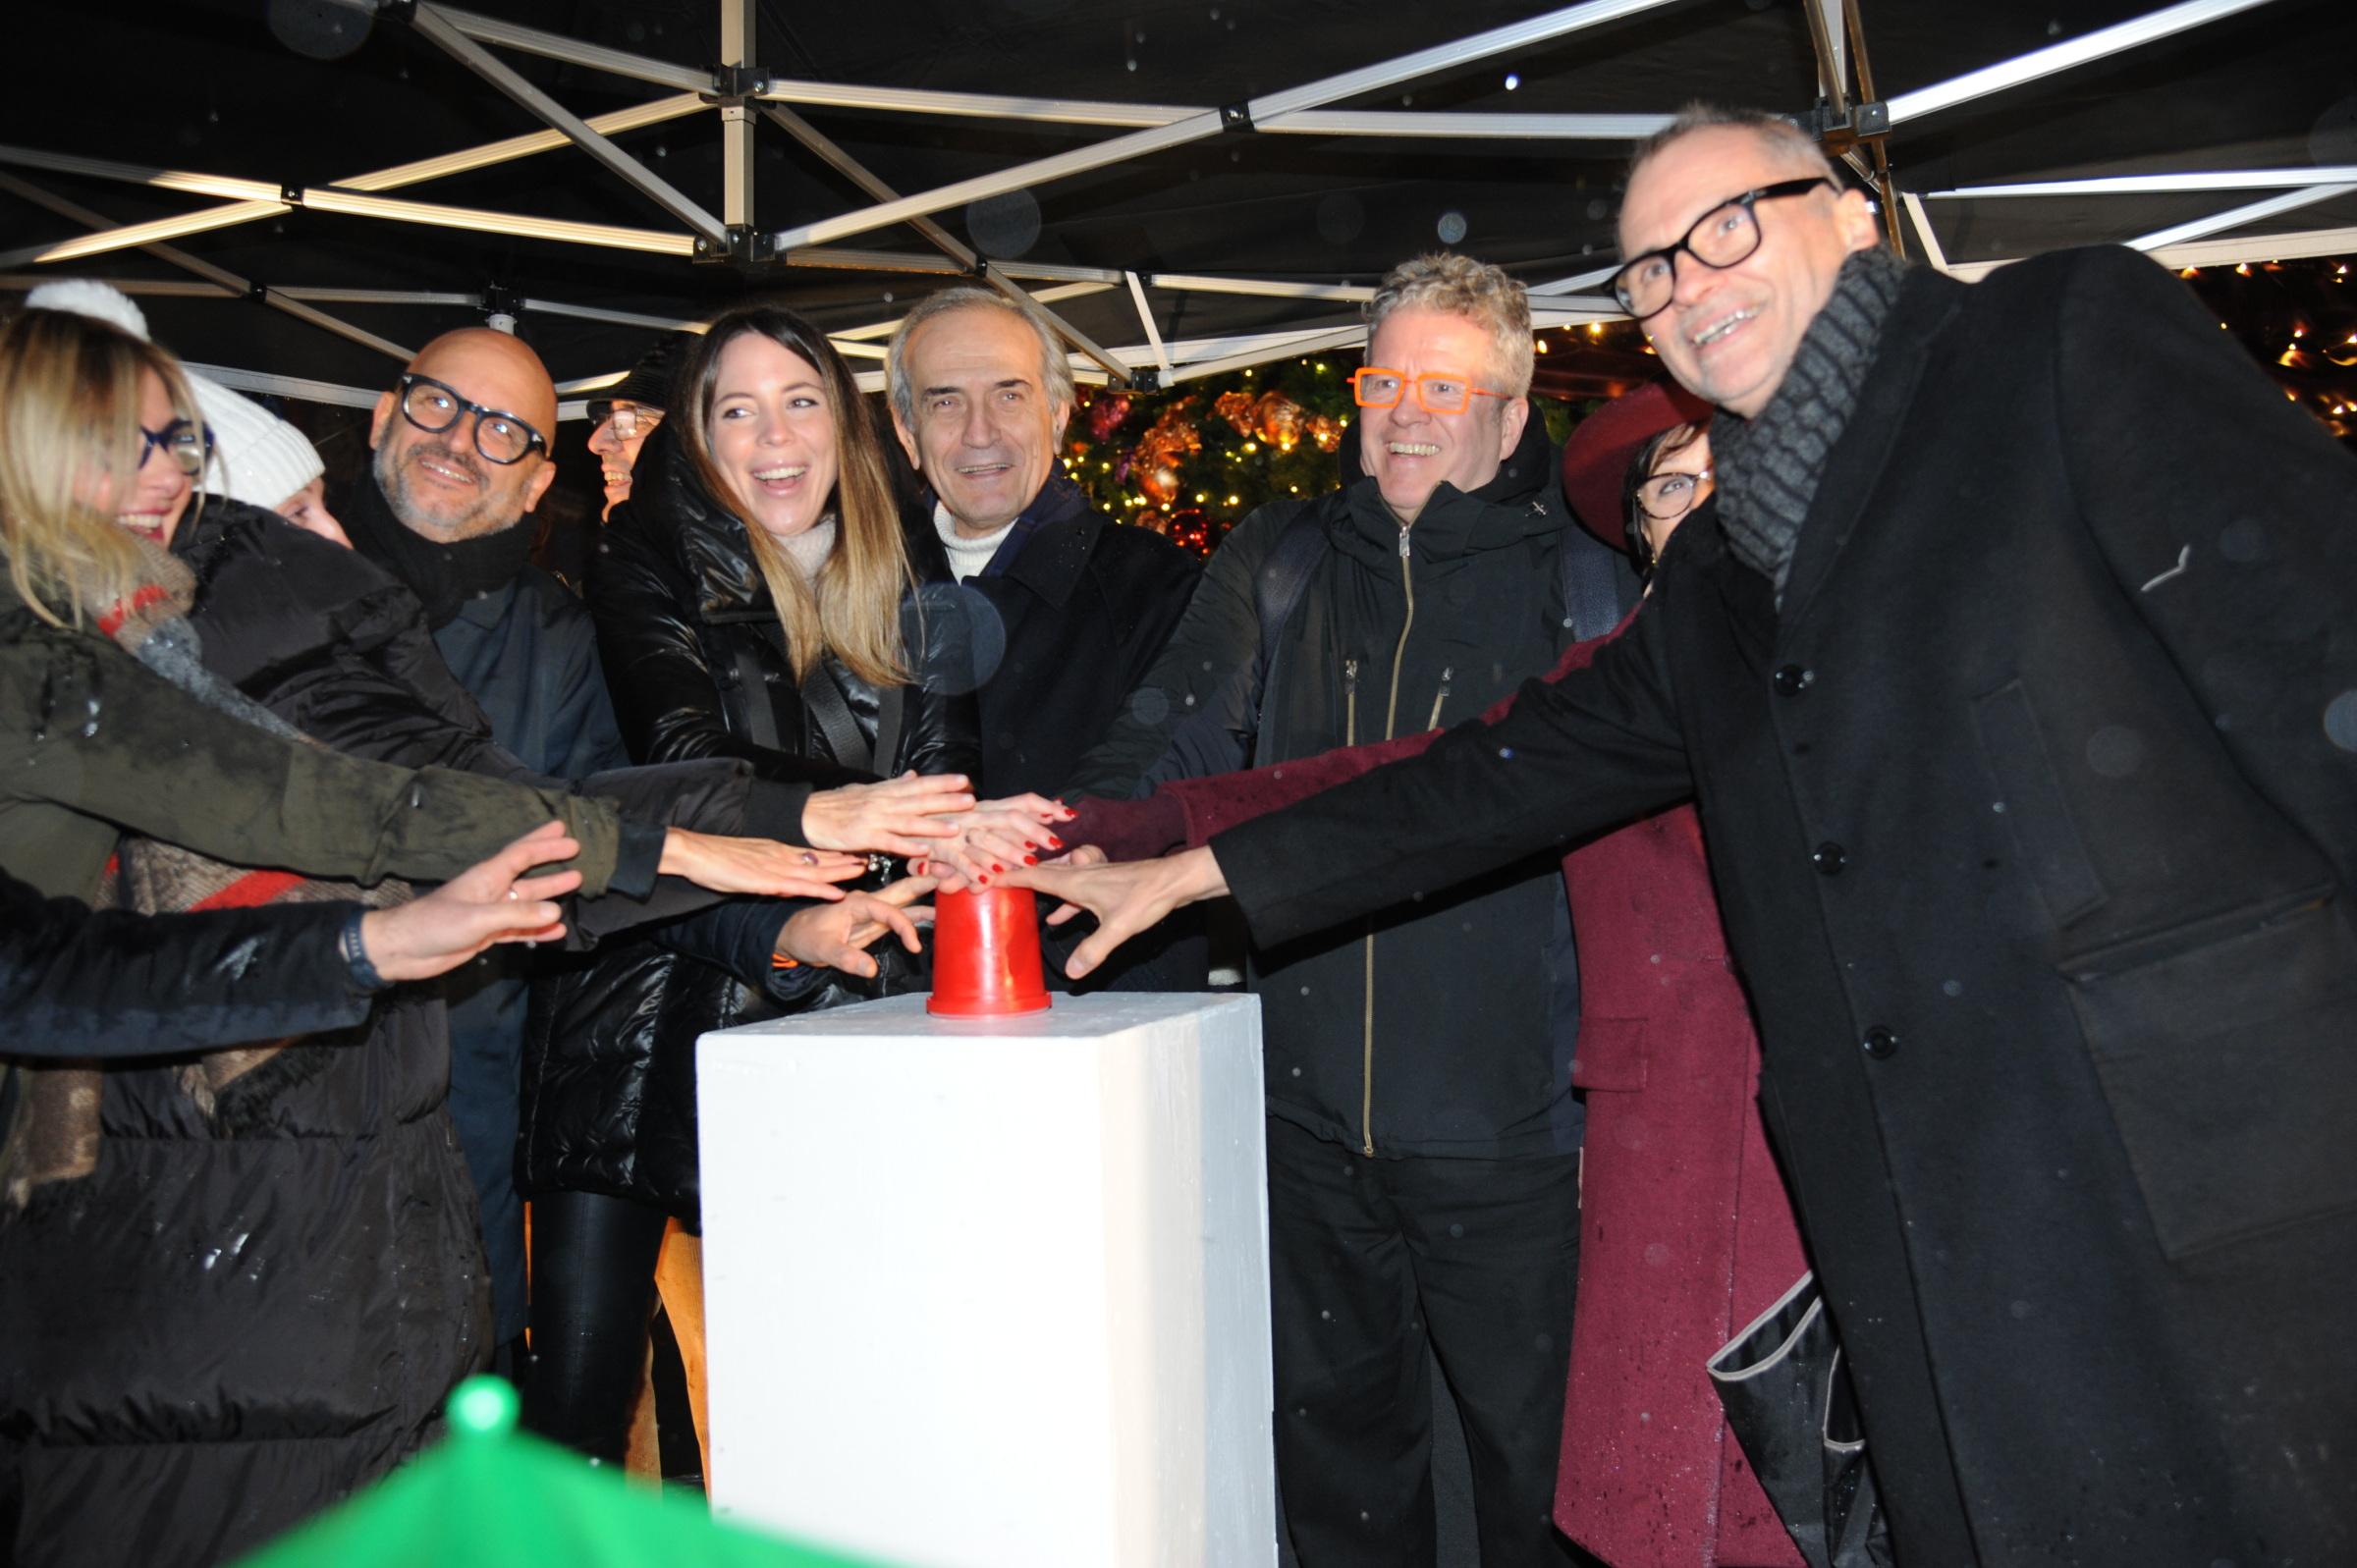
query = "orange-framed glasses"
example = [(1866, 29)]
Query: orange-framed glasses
[(1373, 387)]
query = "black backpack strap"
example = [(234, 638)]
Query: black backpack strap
[(1597, 584), (827, 704), (1277, 593)]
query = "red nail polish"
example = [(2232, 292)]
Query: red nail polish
[(995, 866), (1030, 860), (1055, 843)]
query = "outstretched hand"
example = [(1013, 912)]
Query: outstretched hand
[(764, 866), (1126, 897), (837, 935), (996, 836), (490, 902), (895, 817)]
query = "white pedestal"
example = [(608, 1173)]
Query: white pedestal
[(993, 1293)]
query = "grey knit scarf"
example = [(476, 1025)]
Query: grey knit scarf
[(1769, 466)]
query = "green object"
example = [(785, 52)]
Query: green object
[(489, 1496)]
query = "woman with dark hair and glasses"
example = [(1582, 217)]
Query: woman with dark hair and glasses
[(755, 597), (1669, 476)]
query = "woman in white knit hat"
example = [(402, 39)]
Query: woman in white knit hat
[(258, 457)]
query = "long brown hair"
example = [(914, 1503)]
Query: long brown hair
[(69, 415), (852, 609)]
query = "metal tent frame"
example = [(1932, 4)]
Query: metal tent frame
[(1851, 121)]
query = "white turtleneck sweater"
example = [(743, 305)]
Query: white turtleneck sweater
[(808, 549), (967, 557)]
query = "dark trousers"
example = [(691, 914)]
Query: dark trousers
[(593, 1290), (1369, 1257)]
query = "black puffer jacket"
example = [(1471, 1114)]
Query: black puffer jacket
[(695, 656)]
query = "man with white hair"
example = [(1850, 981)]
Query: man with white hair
[(1422, 1132), (980, 394)]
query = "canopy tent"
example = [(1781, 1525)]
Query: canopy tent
[(301, 192)]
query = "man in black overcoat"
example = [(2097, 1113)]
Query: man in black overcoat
[(2015, 667)]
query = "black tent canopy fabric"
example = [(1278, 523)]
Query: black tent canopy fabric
[(308, 94)]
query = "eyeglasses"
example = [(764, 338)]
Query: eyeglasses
[(433, 407), (1376, 388), (630, 420), (1667, 497), (1722, 237), (188, 445)]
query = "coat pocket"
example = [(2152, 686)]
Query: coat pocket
[(2037, 812), (1610, 1055), (2231, 1068)]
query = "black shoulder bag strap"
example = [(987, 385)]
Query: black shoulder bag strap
[(1590, 579), (825, 700), (1277, 593), (760, 713)]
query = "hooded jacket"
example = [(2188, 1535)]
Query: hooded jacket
[(1439, 1027), (690, 638)]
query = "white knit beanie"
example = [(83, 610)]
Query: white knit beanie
[(258, 456)]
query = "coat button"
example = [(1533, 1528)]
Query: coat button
[(1791, 681), (1880, 1044), (1829, 859)]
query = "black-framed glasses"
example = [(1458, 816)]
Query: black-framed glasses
[(185, 443), (630, 420), (434, 408), (1667, 496), (1722, 237), (1374, 387)]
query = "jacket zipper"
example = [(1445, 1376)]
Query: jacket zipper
[(1438, 698), (1390, 716)]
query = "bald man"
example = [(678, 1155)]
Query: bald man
[(463, 456)]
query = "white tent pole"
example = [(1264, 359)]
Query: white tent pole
[(308, 391), (139, 234), (554, 47), (1830, 42), (1259, 288), (485, 156), (1932, 251), (2236, 217), (219, 277), (428, 21), (1503, 127), (1200, 127), (656, 111), (1140, 116), (977, 105), (738, 34), (1338, 337), (364, 205), (2063, 56), (2157, 184), (160, 288), (1146, 316), (619, 318), (380, 297), (2257, 248)]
